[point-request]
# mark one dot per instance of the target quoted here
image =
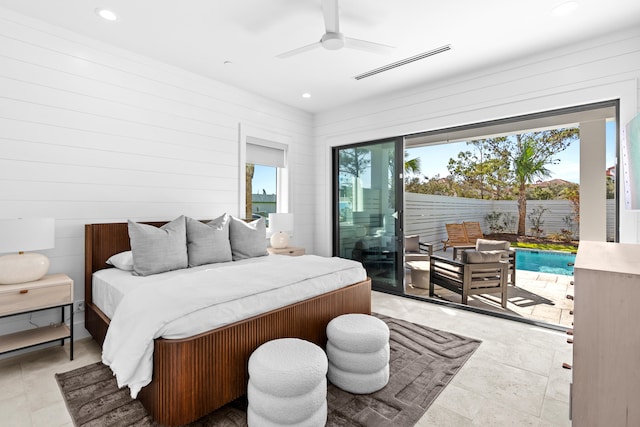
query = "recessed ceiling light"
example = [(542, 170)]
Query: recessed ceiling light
[(107, 14), (306, 95), (564, 9)]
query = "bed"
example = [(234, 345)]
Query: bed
[(196, 375)]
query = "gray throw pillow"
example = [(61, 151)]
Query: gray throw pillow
[(208, 243), (248, 240), (479, 257), (156, 250)]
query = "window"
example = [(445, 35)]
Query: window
[(265, 185), (262, 185)]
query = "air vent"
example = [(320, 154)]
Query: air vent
[(403, 62)]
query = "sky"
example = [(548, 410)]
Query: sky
[(264, 178), (434, 159)]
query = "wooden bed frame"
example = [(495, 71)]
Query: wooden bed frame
[(194, 376)]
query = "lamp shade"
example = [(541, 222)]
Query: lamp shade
[(26, 234), (280, 224), (18, 235)]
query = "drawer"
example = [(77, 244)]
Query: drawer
[(29, 298), (290, 251), (294, 252)]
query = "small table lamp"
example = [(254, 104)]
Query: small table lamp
[(18, 235), (280, 224)]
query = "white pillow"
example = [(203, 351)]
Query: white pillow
[(122, 261)]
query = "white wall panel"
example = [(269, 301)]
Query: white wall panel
[(92, 133), (598, 70)]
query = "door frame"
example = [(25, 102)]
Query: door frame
[(398, 200)]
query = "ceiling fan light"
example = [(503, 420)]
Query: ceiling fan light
[(106, 14), (564, 9)]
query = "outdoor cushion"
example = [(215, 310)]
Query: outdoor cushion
[(492, 245), (412, 243), (479, 257)]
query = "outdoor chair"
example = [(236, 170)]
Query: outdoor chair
[(416, 257), (415, 250), (457, 238), (473, 231), (479, 272), (508, 254)]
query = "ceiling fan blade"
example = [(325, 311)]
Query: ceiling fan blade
[(298, 50), (367, 46), (331, 18)]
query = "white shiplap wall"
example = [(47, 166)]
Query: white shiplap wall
[(92, 133), (597, 70)]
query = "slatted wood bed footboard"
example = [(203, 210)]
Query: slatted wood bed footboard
[(196, 375)]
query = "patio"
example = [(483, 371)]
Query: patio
[(537, 296)]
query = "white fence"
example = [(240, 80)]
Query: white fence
[(427, 215)]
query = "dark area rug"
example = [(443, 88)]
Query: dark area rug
[(423, 361)]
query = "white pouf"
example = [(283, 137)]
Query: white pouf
[(358, 352), (287, 384)]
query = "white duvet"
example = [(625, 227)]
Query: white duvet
[(151, 308)]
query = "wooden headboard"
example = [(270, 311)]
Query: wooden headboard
[(100, 242), (104, 240)]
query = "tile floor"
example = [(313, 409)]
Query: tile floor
[(515, 378), (29, 393)]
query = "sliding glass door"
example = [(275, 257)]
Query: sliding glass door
[(367, 209)]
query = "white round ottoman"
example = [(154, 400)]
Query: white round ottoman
[(358, 352), (287, 384)]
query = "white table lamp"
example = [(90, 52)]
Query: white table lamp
[(19, 235), (280, 224)]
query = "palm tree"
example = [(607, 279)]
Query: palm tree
[(249, 170), (533, 151), (411, 165), (528, 165)]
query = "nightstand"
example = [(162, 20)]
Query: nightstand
[(50, 292), (291, 251)]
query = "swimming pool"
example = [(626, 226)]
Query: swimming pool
[(545, 261)]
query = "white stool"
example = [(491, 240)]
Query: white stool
[(287, 384), (358, 352)]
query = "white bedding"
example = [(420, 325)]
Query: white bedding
[(186, 302)]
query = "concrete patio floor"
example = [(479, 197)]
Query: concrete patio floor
[(537, 296)]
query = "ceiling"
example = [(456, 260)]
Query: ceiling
[(201, 35)]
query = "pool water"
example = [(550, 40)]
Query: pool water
[(545, 261)]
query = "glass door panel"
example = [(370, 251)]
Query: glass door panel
[(368, 209)]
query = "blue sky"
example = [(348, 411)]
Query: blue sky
[(264, 178), (434, 159)]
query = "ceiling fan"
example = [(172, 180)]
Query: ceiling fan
[(333, 39)]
